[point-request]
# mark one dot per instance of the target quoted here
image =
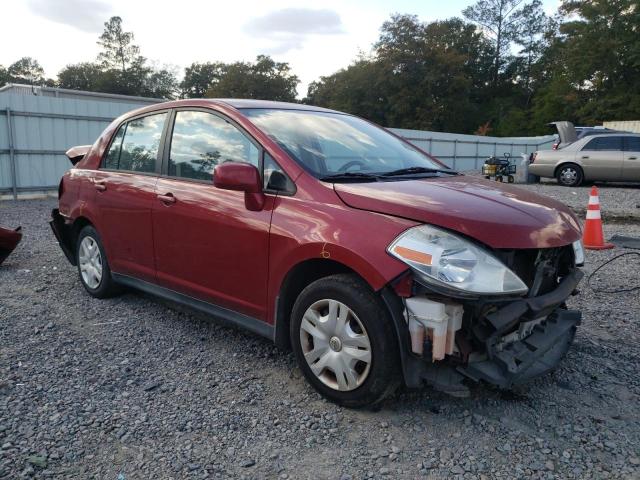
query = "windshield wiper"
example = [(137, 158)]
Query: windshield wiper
[(336, 177), (416, 170)]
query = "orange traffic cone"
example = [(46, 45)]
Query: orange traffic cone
[(593, 237)]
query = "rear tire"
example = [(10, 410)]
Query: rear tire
[(570, 175), (93, 267), (344, 341)]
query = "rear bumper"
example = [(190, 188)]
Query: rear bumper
[(63, 233), (542, 170)]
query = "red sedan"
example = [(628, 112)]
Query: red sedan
[(373, 261)]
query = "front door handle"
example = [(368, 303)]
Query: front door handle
[(100, 186), (632, 158), (585, 156), (167, 198)]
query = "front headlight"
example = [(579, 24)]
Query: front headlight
[(578, 252), (444, 259)]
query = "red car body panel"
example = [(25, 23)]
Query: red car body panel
[(500, 216), (9, 240), (207, 244)]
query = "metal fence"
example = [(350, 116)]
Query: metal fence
[(468, 152), (38, 126)]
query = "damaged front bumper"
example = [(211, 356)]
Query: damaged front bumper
[(514, 342)]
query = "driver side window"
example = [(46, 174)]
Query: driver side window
[(201, 140)]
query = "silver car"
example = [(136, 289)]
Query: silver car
[(607, 157)]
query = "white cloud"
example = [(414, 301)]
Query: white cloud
[(85, 15), (288, 28)]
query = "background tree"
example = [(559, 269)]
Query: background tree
[(27, 70), (200, 77), (499, 19), (82, 76), (265, 79), (118, 50)]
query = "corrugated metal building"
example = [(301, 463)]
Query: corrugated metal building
[(38, 124)]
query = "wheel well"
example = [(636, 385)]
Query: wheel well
[(77, 226), (298, 278)]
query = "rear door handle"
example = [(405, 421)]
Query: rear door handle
[(167, 198), (585, 156), (100, 186), (632, 158)]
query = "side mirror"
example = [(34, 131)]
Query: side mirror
[(241, 177)]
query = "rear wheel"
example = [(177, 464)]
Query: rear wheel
[(344, 341), (570, 175), (93, 266)]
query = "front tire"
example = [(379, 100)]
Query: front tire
[(344, 342), (93, 267), (570, 175)]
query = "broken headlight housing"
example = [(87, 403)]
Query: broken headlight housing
[(443, 259)]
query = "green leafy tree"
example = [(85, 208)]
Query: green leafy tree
[(500, 20), (81, 76), (27, 70), (265, 79), (4, 76), (200, 77), (118, 50)]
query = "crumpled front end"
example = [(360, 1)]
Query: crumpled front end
[(9, 240), (502, 341)]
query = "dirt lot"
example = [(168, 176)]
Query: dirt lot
[(134, 388)]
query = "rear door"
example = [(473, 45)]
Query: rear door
[(125, 192), (601, 158), (631, 165), (208, 245)]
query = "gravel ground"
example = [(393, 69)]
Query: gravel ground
[(136, 388)]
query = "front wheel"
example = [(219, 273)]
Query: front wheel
[(344, 341), (93, 266)]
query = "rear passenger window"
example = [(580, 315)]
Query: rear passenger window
[(201, 140), (139, 151), (609, 143), (135, 145)]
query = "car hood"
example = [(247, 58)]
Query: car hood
[(498, 215)]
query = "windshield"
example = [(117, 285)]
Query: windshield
[(327, 144)]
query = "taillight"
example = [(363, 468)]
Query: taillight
[(533, 156), (555, 146)]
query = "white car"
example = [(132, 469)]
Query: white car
[(608, 157)]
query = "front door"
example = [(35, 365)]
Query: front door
[(601, 158), (125, 191), (207, 244), (631, 165)]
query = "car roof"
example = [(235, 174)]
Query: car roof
[(252, 103), (236, 103)]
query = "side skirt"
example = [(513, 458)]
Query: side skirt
[(238, 319)]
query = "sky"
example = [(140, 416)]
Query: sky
[(316, 38)]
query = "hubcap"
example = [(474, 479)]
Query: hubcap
[(90, 262), (336, 345), (568, 175)]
